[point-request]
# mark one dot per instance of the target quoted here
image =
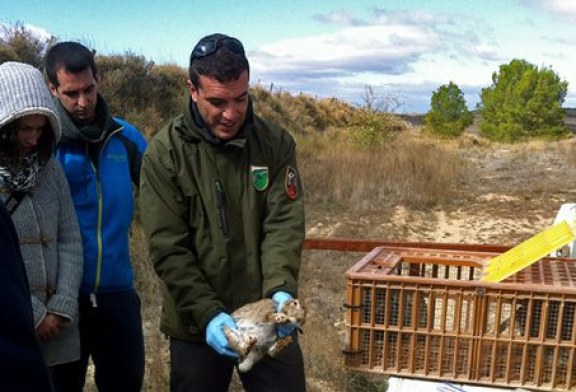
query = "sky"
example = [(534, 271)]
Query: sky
[(403, 50)]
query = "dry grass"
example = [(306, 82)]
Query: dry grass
[(148, 286), (567, 152), (408, 171), (302, 113)]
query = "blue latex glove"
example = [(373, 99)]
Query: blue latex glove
[(215, 334), (284, 329)]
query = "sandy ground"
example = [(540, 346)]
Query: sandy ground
[(511, 194)]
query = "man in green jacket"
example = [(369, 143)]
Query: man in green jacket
[(222, 206)]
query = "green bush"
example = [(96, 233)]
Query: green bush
[(448, 115), (522, 102), (369, 128), (140, 91)]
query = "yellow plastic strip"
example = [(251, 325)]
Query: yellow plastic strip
[(529, 252)]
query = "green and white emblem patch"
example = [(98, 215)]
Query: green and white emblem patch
[(260, 177)]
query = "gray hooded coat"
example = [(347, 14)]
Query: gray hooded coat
[(45, 218)]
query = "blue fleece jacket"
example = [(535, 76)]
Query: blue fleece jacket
[(103, 197)]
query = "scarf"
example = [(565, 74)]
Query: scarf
[(92, 133), (21, 178)]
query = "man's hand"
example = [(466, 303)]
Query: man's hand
[(283, 329), (49, 327), (215, 334)]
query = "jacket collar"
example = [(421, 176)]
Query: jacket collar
[(71, 132), (196, 130)]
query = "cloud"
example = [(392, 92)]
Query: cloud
[(384, 50), (39, 32), (562, 8), (339, 17), (414, 18), (400, 38), (557, 40), (351, 50)]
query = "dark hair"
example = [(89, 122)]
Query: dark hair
[(71, 56), (9, 154), (224, 65)]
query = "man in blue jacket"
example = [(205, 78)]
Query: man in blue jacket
[(101, 157), (21, 362)]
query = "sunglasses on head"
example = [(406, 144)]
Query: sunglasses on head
[(209, 46)]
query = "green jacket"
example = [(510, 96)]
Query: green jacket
[(225, 223)]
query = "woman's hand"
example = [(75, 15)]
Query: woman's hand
[(49, 327)]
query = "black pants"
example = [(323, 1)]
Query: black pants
[(111, 332), (196, 367)]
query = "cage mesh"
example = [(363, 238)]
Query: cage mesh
[(418, 314)]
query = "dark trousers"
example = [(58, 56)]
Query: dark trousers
[(196, 367), (111, 332)]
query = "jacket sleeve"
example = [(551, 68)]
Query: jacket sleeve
[(283, 226), (165, 220), (38, 310), (70, 256)]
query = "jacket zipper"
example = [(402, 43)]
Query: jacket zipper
[(222, 208), (98, 227), (100, 218)]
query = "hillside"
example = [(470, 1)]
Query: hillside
[(417, 119), (571, 119)]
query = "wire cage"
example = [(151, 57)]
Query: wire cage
[(425, 313)]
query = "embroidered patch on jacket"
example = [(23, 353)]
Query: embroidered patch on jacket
[(259, 177), (291, 183)]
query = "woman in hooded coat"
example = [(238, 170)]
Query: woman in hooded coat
[(36, 194)]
